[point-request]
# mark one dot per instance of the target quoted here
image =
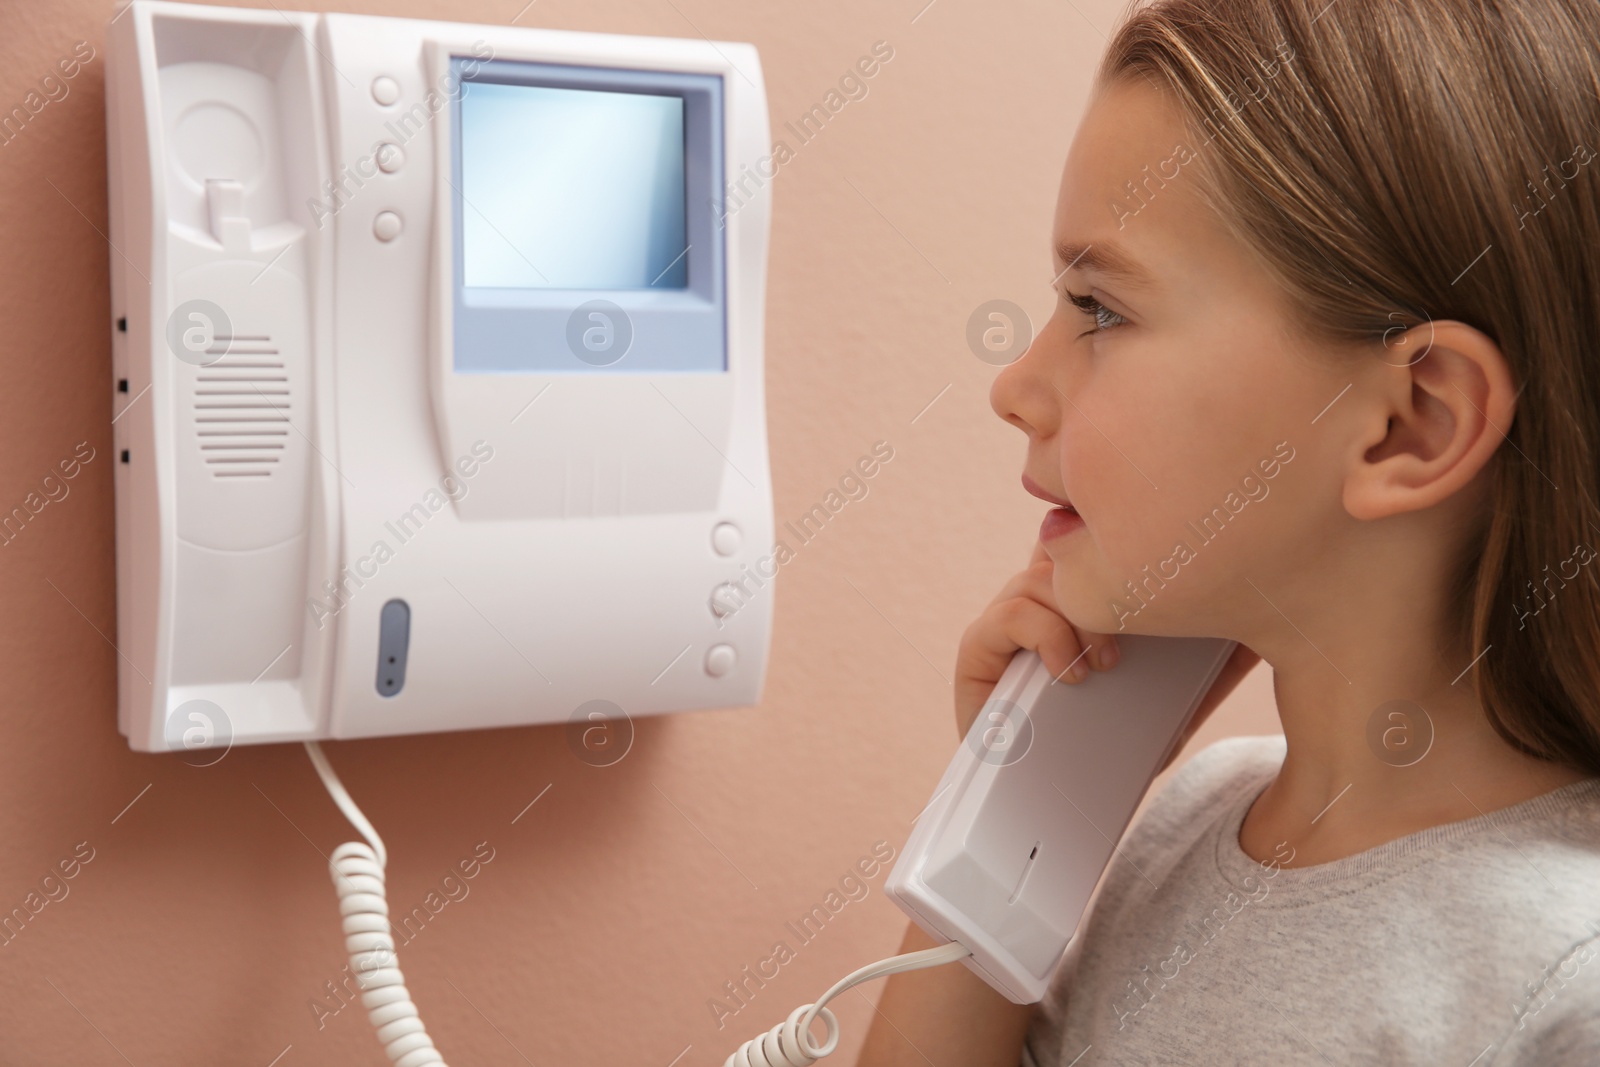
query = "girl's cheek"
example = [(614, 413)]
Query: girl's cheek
[(1108, 452)]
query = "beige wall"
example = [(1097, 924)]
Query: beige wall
[(616, 907)]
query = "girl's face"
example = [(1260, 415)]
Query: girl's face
[(1177, 418)]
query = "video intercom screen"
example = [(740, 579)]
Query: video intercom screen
[(571, 188), (587, 220)]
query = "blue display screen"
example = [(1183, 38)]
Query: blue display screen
[(571, 189), (585, 231)]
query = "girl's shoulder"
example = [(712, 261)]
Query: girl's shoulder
[(1207, 786), (1197, 801), (1234, 761)]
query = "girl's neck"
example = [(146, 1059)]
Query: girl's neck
[(1363, 769)]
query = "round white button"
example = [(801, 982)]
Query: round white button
[(725, 538), (720, 660), (385, 90), (389, 157), (387, 226), (724, 600)]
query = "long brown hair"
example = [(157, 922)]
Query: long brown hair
[(1397, 162)]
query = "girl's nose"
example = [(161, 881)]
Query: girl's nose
[(1023, 394)]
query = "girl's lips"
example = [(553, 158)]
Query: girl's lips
[(1037, 490), (1058, 522)]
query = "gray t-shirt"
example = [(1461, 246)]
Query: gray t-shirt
[(1471, 944)]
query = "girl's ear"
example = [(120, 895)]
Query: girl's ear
[(1440, 401)]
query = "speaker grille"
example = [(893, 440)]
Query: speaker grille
[(241, 407)]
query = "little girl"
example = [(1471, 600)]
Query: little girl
[(1348, 250)]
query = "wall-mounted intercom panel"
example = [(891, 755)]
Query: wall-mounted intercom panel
[(438, 366)]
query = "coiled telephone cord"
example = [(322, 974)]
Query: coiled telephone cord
[(357, 869), (789, 1044)]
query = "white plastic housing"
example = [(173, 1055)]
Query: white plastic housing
[(557, 537), (1024, 821)]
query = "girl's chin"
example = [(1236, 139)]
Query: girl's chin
[(1087, 613)]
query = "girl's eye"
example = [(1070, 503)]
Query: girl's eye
[(1104, 317)]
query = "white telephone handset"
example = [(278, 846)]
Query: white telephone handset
[(1006, 854), (1003, 859)]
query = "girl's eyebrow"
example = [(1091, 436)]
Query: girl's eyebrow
[(1106, 258)]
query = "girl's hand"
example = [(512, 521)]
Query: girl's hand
[(1025, 615)]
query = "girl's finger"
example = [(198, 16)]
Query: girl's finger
[(1037, 583)]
